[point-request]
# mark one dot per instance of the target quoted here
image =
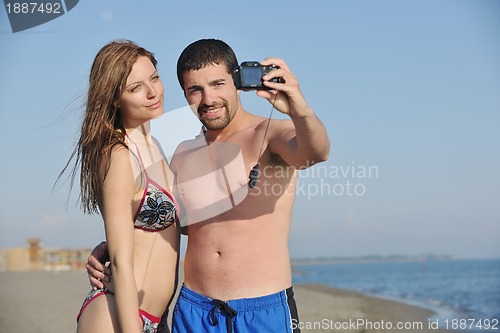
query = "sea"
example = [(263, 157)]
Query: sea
[(461, 292)]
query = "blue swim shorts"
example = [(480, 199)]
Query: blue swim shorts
[(197, 313)]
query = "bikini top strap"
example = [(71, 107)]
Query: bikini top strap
[(138, 154)]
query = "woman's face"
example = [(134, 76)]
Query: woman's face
[(142, 99)]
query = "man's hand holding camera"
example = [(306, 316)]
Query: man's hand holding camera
[(289, 97)]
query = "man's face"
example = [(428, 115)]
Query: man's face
[(211, 90)]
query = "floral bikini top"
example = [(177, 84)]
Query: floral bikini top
[(158, 209)]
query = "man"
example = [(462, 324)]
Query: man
[(237, 270)]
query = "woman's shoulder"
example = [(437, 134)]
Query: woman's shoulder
[(120, 160)]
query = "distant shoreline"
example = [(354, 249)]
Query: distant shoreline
[(375, 259)]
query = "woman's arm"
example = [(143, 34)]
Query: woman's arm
[(118, 192)]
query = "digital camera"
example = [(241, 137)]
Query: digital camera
[(248, 76)]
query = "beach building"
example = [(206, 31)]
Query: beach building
[(34, 257)]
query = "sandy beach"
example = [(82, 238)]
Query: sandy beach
[(47, 302)]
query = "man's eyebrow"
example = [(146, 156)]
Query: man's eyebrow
[(214, 82), (211, 83), (194, 86)]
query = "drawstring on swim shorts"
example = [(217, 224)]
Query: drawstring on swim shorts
[(223, 307)]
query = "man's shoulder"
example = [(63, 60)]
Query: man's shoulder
[(275, 125), (260, 122), (189, 144), (186, 147)]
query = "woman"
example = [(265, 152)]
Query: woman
[(125, 177)]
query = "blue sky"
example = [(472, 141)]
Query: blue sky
[(407, 89)]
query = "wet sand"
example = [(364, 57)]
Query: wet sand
[(47, 302)]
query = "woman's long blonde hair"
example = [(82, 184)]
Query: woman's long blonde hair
[(102, 126)]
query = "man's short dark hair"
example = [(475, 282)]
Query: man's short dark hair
[(205, 52)]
